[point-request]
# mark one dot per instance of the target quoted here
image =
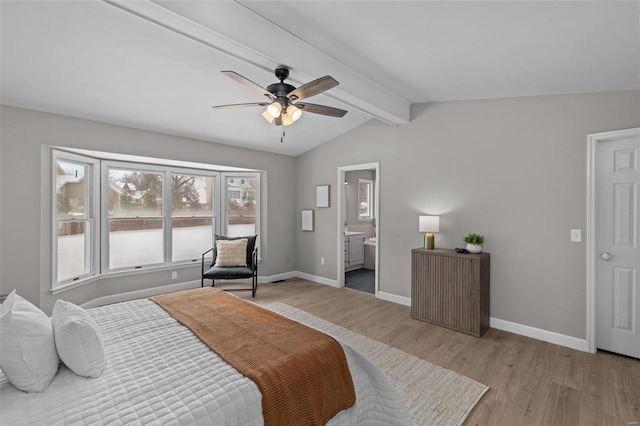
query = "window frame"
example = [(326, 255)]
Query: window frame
[(92, 218), (224, 216), (97, 188), (215, 214), (105, 223)]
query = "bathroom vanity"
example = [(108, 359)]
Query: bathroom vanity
[(353, 250)]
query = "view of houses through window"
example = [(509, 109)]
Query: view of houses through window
[(151, 215)]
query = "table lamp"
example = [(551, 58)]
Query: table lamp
[(429, 224)]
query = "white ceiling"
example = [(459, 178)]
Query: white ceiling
[(156, 65)]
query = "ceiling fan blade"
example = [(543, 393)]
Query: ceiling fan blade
[(248, 83), (313, 88), (252, 104), (321, 109)]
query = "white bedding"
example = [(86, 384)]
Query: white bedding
[(158, 372)]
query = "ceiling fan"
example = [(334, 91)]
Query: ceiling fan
[(283, 106)]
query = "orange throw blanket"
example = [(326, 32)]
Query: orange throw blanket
[(302, 373)]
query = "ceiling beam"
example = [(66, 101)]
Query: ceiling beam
[(239, 32)]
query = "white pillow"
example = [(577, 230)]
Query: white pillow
[(27, 350), (78, 339), (231, 252)]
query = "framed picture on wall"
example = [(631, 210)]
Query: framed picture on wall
[(307, 220), (322, 196)]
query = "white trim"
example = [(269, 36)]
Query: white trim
[(277, 277), (406, 301), (592, 252), (315, 278), (539, 334), (137, 294), (341, 215)]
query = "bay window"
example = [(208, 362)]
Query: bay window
[(118, 216)]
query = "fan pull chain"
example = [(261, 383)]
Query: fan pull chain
[(282, 137)]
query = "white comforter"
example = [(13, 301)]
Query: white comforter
[(158, 372)]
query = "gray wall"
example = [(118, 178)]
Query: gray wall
[(25, 230), (513, 169)]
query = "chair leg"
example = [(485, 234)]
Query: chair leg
[(213, 283)]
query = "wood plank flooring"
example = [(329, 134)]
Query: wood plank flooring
[(532, 382)]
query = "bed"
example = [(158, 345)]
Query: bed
[(158, 371)]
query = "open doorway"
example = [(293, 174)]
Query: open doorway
[(358, 226)]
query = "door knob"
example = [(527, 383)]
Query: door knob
[(605, 256)]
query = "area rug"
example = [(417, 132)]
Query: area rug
[(433, 395)]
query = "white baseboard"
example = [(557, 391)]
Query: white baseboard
[(314, 278), (540, 334), (138, 294), (271, 278), (406, 301)]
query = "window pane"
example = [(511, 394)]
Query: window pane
[(191, 195), (135, 242), (74, 249), (241, 227), (191, 238), (70, 189), (134, 194), (241, 206), (241, 197)]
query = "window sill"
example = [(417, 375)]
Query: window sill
[(123, 273)]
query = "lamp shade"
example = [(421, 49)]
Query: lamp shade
[(429, 223)]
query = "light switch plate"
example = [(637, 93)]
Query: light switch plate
[(576, 235)]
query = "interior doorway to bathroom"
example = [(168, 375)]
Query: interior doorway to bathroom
[(358, 226)]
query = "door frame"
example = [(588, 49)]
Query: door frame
[(592, 250), (342, 213)]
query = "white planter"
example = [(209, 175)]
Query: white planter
[(474, 248)]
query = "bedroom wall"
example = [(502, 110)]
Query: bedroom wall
[(513, 169), (25, 235)]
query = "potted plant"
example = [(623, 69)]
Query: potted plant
[(474, 242)]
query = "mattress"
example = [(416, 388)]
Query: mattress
[(159, 372)]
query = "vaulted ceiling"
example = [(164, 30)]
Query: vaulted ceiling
[(156, 65)]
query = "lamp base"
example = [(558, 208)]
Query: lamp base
[(429, 241)]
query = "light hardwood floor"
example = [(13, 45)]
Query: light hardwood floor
[(532, 382)]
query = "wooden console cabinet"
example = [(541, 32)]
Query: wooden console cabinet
[(451, 289)]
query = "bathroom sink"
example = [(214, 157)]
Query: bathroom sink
[(373, 240)]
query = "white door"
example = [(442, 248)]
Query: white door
[(618, 256)]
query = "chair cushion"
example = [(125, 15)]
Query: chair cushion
[(231, 253), (251, 244), (228, 273), (78, 339), (28, 354)]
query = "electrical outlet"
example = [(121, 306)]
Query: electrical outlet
[(322, 260), (174, 275), (576, 235)]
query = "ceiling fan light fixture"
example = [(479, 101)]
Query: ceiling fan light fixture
[(286, 119), (274, 109), (268, 117), (294, 112)]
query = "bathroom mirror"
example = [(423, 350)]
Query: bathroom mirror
[(365, 199)]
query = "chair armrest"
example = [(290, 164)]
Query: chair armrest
[(254, 259), (203, 254)]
